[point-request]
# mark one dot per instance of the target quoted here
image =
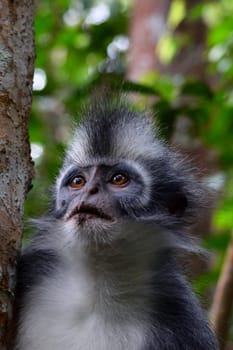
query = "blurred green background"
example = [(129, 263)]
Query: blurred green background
[(81, 44)]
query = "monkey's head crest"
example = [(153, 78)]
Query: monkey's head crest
[(112, 130)]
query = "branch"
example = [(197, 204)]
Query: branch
[(223, 298)]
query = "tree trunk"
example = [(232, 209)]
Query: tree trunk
[(223, 299), (147, 25), (16, 168)]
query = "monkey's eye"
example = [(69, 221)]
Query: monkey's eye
[(119, 179), (77, 182)]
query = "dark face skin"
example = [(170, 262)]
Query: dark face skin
[(97, 192)]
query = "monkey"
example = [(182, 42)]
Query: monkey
[(101, 272)]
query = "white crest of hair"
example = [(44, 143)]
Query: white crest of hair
[(137, 139), (78, 149), (132, 138)]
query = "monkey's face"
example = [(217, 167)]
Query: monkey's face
[(94, 198)]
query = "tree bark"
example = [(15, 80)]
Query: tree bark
[(147, 25), (16, 168), (223, 299)]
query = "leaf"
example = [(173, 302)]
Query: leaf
[(197, 88)]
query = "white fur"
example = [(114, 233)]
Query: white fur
[(131, 140), (65, 317), (81, 307), (136, 140), (79, 147)]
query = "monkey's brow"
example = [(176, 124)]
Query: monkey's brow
[(103, 164), (80, 168)]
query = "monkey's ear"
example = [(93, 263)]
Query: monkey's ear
[(176, 202)]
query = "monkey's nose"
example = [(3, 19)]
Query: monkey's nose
[(94, 190)]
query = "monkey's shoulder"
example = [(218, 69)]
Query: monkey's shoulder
[(32, 266), (176, 311)]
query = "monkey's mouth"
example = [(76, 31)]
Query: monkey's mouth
[(87, 212)]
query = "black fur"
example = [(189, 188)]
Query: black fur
[(180, 323), (32, 266)]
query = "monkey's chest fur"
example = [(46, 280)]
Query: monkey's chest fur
[(84, 309)]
